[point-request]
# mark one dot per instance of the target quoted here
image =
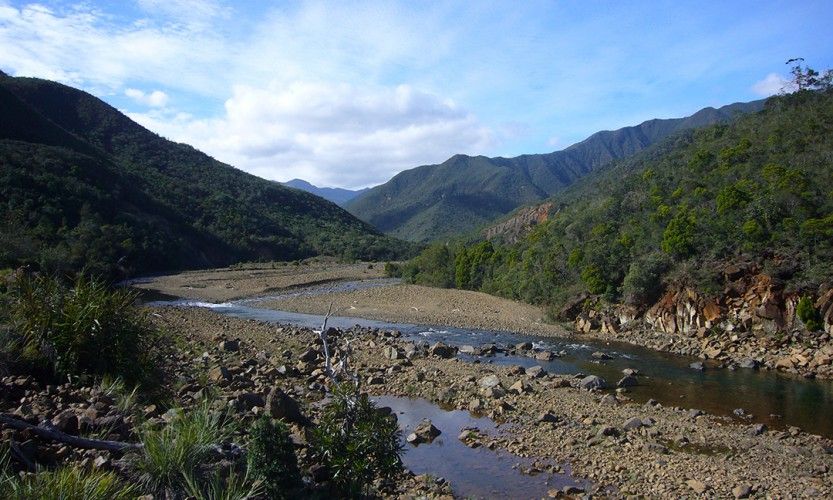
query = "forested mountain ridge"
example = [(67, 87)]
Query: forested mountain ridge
[(339, 196), (687, 212), (433, 202), (83, 185)]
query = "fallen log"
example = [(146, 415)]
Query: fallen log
[(48, 431)]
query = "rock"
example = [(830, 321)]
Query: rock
[(785, 363), (66, 421), (607, 430), (496, 392), (230, 345), (524, 346), (572, 490), (627, 381), (376, 380), (442, 350), (694, 413), (609, 399), (281, 405), (742, 491), (548, 417), (319, 473), (748, 363), (697, 486), (489, 381), (520, 387), (592, 382), (393, 353), (632, 423), (425, 432), (697, 365), (101, 463), (308, 356), (630, 372), (467, 349), (757, 429), (475, 405), (601, 355), (219, 374), (250, 399), (544, 356), (535, 371)]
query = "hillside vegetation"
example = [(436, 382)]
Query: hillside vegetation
[(759, 189), (435, 202), (84, 186)]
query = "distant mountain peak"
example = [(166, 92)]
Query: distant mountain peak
[(339, 196), (465, 192)]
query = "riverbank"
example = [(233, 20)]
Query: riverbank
[(620, 446)]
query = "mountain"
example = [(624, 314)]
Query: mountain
[(83, 185), (696, 212), (339, 196), (439, 201)]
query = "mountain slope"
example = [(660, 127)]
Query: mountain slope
[(686, 212), (82, 184), (339, 196), (438, 201)]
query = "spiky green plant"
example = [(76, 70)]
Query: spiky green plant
[(175, 451), (233, 487), (65, 483), (83, 329)]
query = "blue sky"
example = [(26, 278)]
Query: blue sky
[(350, 93)]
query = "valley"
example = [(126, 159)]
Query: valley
[(674, 448)]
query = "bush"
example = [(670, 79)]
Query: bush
[(272, 458), (642, 284), (85, 329), (808, 314), (171, 455), (356, 442)]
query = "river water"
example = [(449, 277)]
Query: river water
[(774, 399)]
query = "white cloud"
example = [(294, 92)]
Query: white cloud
[(772, 84), (329, 134), (155, 99)]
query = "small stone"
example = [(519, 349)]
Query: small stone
[(489, 381), (601, 355), (230, 345), (535, 371), (627, 381), (697, 486), (748, 363), (520, 387), (544, 356), (425, 432), (694, 413), (742, 491), (630, 372), (697, 365), (632, 423), (102, 463), (442, 350), (548, 417), (524, 346), (308, 356), (592, 382)]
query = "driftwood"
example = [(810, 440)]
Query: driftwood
[(48, 431)]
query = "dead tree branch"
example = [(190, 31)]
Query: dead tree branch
[(48, 431)]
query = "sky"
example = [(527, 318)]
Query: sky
[(347, 94)]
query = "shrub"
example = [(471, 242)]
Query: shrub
[(642, 284), (272, 458), (85, 329), (173, 453), (808, 314), (356, 441)]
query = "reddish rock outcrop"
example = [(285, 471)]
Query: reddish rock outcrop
[(519, 224)]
